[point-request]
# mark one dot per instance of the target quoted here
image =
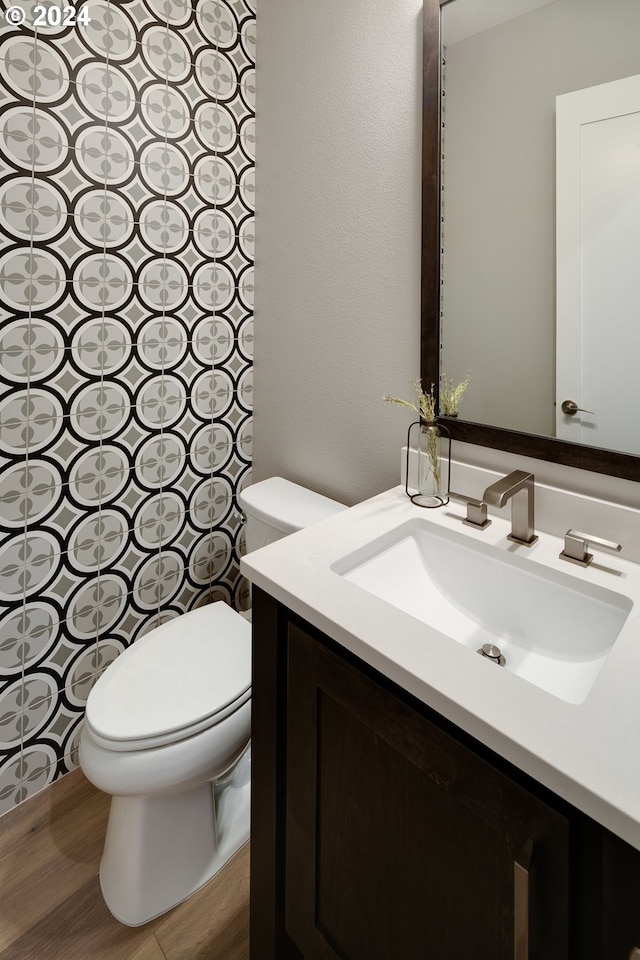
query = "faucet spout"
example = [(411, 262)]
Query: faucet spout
[(518, 487)]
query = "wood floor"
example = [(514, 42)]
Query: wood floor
[(50, 900)]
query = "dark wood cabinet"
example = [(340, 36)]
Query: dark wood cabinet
[(621, 899), (400, 842), (382, 832)]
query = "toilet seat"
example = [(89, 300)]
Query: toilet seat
[(179, 679)]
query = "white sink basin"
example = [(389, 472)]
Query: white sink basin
[(554, 629)]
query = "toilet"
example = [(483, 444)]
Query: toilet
[(167, 730)]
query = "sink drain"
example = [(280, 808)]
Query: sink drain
[(491, 652)]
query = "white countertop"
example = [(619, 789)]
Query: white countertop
[(588, 753)]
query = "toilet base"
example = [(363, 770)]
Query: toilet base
[(160, 849)]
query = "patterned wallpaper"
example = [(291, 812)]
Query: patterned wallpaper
[(126, 330)]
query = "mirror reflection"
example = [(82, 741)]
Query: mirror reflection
[(541, 215)]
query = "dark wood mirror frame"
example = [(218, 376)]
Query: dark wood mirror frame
[(612, 463)]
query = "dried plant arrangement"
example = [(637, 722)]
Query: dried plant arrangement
[(451, 394), (426, 405)]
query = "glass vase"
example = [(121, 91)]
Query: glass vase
[(429, 465)]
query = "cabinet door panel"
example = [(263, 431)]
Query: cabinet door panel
[(400, 842), (621, 887)]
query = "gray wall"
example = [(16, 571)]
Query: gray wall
[(337, 238), (499, 196)]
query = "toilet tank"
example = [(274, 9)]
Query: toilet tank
[(276, 507)]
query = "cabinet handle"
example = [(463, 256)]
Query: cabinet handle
[(521, 867)]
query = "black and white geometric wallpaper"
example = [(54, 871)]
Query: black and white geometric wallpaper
[(126, 334)]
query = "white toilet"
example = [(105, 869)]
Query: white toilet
[(166, 733)]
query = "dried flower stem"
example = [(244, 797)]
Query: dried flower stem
[(426, 408), (451, 394), (432, 451)]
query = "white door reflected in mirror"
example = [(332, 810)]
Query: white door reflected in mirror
[(598, 281)]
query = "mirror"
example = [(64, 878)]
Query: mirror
[(504, 63)]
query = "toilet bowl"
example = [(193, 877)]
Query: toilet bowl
[(167, 730), (168, 719)]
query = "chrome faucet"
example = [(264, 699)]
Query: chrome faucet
[(517, 487)]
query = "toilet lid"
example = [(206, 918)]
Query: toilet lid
[(176, 676)]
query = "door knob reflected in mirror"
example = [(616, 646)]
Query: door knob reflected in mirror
[(570, 407)]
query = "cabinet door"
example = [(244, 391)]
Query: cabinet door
[(621, 897), (402, 844)]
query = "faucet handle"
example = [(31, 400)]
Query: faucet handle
[(477, 514), (576, 545), (476, 511)]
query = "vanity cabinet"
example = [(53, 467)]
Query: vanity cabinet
[(400, 842), (382, 832)]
